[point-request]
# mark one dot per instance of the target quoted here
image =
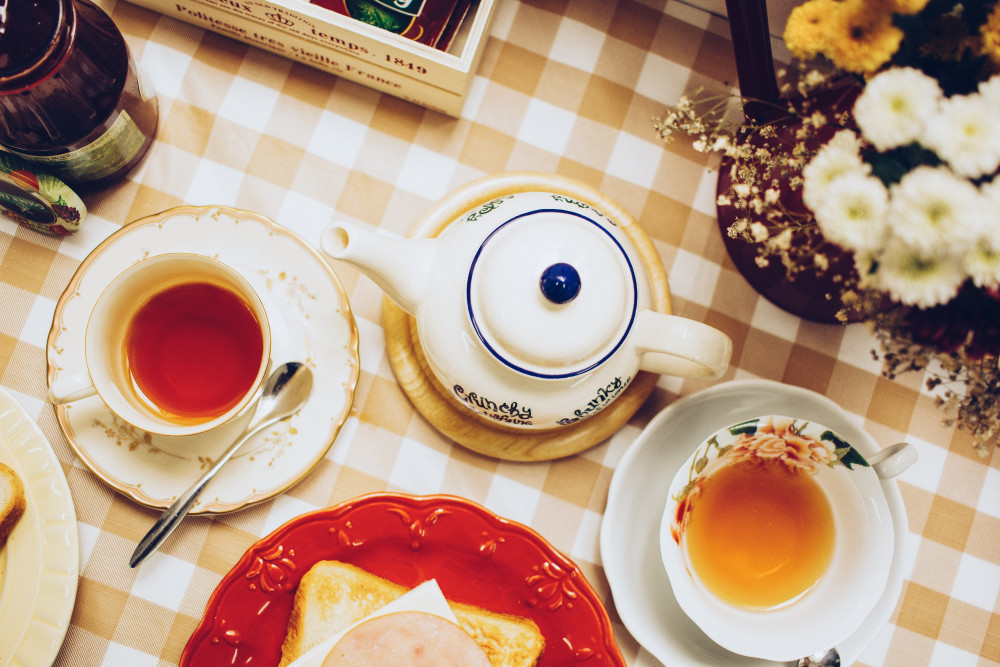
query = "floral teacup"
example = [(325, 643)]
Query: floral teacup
[(777, 538)]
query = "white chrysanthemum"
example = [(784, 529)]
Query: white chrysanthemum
[(990, 90), (935, 211), (916, 279), (965, 133), (853, 212), (982, 264), (990, 193), (841, 155), (895, 105), (864, 264)]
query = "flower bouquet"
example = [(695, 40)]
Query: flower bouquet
[(878, 170)]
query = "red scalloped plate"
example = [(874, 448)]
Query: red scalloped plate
[(475, 556)]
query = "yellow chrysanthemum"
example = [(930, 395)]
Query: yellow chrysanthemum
[(990, 33), (862, 37), (806, 28), (906, 6)]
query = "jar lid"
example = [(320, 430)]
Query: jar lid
[(551, 293), (33, 37), (38, 200)]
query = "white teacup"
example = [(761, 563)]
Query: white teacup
[(777, 538), (177, 344)]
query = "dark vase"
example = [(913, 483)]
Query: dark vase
[(810, 294)]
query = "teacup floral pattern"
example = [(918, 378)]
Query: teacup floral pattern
[(774, 439)]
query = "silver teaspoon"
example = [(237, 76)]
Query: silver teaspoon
[(830, 658), (285, 391)]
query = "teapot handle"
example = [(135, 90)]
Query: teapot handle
[(679, 346)]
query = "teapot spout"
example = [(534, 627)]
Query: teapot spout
[(399, 266)]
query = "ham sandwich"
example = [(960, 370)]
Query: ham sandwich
[(334, 595)]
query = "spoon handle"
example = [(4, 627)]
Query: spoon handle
[(172, 516)]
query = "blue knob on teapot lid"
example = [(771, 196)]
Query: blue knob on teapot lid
[(560, 283)]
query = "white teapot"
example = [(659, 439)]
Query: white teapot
[(534, 309)]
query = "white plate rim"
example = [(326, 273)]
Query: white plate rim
[(47, 533), (671, 637)]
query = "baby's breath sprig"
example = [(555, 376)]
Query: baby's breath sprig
[(762, 158)]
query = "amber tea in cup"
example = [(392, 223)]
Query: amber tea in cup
[(762, 534), (177, 344), (756, 528), (193, 350)]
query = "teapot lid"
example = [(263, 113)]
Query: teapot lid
[(551, 293)]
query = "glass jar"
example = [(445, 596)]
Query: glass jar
[(70, 95)]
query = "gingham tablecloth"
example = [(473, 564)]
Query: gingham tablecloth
[(567, 87)]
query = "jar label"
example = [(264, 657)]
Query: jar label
[(102, 157), (38, 200)]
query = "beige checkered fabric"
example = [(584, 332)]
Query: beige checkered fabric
[(565, 86)]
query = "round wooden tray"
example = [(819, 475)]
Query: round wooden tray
[(436, 403)]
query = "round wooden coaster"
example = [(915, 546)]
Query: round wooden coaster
[(436, 403)]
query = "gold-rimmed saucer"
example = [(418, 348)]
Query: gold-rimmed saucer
[(311, 321)]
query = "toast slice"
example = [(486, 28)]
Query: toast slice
[(12, 501), (333, 595)]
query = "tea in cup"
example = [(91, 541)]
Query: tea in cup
[(762, 536), (777, 538), (177, 344)]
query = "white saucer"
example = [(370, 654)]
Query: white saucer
[(310, 321), (630, 531), (40, 563)]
